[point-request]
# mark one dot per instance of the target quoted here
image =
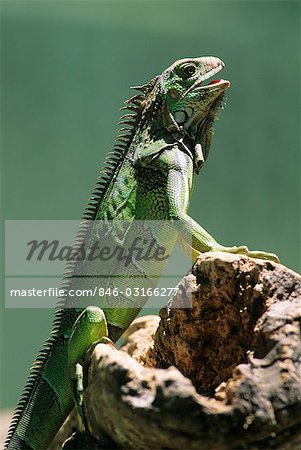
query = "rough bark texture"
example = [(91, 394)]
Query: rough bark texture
[(237, 380), (243, 311), (139, 340)]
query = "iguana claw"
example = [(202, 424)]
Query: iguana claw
[(243, 250), (263, 255)]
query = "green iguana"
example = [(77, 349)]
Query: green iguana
[(148, 176)]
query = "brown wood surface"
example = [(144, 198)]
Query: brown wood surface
[(223, 374)]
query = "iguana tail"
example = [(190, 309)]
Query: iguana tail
[(46, 400)]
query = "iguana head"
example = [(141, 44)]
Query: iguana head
[(184, 101), (191, 101)]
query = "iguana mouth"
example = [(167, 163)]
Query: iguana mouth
[(220, 84), (224, 84), (217, 83)]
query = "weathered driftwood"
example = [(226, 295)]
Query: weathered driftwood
[(237, 380)]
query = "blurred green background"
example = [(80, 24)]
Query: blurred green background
[(66, 68)]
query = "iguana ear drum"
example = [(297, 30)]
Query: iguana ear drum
[(180, 117), (183, 115)]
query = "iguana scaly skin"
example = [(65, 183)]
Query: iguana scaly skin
[(148, 176)]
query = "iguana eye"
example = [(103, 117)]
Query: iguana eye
[(189, 71)]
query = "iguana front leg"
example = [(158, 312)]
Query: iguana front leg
[(192, 237)]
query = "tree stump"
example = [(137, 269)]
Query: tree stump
[(223, 374)]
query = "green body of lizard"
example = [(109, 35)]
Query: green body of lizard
[(149, 176)]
